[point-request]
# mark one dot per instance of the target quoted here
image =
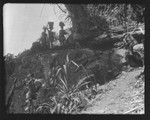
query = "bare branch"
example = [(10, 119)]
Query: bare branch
[(61, 9)]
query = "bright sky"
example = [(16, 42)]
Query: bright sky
[(23, 24)]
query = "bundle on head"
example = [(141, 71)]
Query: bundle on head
[(61, 24)]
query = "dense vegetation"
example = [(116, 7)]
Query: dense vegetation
[(65, 78)]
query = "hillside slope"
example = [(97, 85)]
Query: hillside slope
[(124, 95)]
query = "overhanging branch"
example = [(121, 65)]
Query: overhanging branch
[(61, 9)]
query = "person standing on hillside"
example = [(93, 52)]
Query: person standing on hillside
[(50, 34), (62, 33), (44, 37)]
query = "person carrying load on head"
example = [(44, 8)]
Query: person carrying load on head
[(44, 37), (62, 33), (50, 34)]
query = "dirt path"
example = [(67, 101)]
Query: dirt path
[(118, 96)]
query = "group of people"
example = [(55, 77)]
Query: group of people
[(47, 40)]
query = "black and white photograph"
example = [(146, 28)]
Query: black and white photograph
[(74, 58)]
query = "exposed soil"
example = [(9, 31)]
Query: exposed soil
[(124, 95)]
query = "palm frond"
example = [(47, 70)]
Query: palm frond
[(83, 79), (62, 88), (75, 63), (64, 84), (80, 85), (58, 71)]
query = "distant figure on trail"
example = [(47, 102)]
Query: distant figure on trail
[(62, 33), (50, 34), (44, 37)]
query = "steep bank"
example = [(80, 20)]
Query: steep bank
[(124, 95)]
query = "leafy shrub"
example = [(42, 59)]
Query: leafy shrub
[(64, 101)]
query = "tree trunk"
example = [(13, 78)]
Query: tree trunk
[(86, 28), (77, 14), (80, 20)]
